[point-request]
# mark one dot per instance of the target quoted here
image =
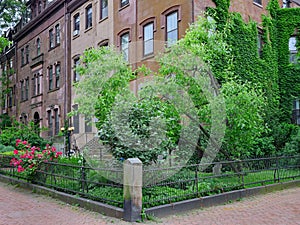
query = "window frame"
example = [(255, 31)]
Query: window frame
[(26, 89), (27, 54), (76, 24), (169, 41), (38, 46), (258, 2), (57, 34), (126, 49), (76, 75), (50, 75), (51, 39), (103, 9), (57, 75), (50, 123), (22, 56), (89, 16), (56, 121), (124, 3), (151, 39), (293, 52)]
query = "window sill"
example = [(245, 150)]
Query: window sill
[(75, 36), (149, 56), (37, 95), (53, 90), (123, 7), (103, 19), (88, 29), (258, 5), (50, 49)]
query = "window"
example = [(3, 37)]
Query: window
[(14, 95), (50, 123), (34, 88), (124, 43), (88, 126), (148, 39), (36, 85), (172, 28), (50, 73), (27, 54), (259, 44), (22, 90), (286, 4), (10, 97), (103, 9), (39, 7), (76, 24), (22, 57), (76, 120), (89, 17), (56, 122), (293, 49), (26, 88), (38, 46), (257, 1), (124, 2), (57, 75), (76, 74), (11, 65), (57, 35), (51, 39), (296, 112)]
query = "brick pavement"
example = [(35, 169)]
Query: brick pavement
[(19, 206)]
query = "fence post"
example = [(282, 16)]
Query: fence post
[(133, 183)]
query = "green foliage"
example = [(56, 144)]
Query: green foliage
[(140, 119), (18, 130), (103, 75), (11, 11), (241, 87), (244, 110), (287, 23), (292, 147)]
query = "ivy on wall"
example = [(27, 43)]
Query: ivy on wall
[(288, 23), (270, 70)]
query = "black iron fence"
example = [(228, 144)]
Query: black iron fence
[(83, 181), (162, 185), (193, 181)]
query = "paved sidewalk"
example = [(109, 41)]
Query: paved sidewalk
[(20, 207)]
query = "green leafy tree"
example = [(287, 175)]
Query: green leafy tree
[(10, 13)]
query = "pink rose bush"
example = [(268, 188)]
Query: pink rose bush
[(28, 158)]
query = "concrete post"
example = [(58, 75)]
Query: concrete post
[(133, 183)]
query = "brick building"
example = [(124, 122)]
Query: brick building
[(48, 42)]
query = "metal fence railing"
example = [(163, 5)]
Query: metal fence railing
[(83, 181), (159, 187), (192, 182)]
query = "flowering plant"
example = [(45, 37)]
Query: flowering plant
[(28, 158)]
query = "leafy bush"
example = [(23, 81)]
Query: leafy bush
[(18, 130)]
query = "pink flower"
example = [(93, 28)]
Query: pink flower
[(20, 169), (53, 149), (16, 152), (24, 142)]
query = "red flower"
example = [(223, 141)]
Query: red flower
[(16, 152), (20, 169)]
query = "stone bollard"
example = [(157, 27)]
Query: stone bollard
[(133, 183)]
